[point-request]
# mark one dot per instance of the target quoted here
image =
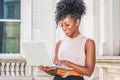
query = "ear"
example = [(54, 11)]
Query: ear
[(77, 22)]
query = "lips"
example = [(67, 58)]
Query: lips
[(66, 32)]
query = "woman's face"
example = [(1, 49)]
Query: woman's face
[(70, 26)]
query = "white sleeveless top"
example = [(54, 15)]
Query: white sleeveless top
[(73, 50)]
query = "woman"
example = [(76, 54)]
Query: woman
[(75, 50)]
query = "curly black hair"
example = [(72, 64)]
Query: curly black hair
[(75, 8)]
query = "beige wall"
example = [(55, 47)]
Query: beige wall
[(43, 24)]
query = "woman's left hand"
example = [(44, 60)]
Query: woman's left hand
[(49, 70)]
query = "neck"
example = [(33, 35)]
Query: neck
[(75, 34)]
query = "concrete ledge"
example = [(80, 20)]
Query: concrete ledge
[(108, 61), (16, 78), (108, 57)]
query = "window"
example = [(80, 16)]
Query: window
[(14, 25), (10, 37), (9, 28)]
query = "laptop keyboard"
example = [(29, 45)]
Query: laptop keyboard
[(62, 67)]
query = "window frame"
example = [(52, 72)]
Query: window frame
[(25, 24)]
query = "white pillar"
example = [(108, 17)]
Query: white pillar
[(110, 36), (115, 26), (102, 23)]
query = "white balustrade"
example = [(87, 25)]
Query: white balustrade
[(12, 67), (16, 69)]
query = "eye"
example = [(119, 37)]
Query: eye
[(67, 24), (61, 25)]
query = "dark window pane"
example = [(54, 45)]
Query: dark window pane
[(9, 9), (10, 37)]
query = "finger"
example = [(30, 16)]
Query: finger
[(47, 67), (51, 69), (40, 67), (57, 62)]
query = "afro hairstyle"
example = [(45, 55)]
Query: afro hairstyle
[(75, 8)]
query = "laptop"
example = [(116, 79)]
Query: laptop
[(36, 53)]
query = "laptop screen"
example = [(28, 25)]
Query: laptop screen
[(36, 53)]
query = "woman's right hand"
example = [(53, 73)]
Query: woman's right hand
[(48, 70)]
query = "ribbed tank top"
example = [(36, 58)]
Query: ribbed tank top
[(73, 49)]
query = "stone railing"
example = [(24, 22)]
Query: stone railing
[(13, 69), (16, 68), (107, 68)]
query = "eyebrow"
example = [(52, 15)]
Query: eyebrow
[(64, 23)]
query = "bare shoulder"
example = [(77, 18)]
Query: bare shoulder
[(58, 43), (90, 48), (90, 42)]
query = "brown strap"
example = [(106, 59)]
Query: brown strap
[(71, 72)]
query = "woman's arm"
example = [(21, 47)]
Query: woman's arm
[(56, 51), (89, 61)]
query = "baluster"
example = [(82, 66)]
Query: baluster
[(29, 70), (12, 69), (22, 69), (3, 69), (17, 71), (7, 69)]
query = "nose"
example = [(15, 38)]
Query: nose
[(64, 28)]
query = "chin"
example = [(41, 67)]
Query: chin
[(68, 35)]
